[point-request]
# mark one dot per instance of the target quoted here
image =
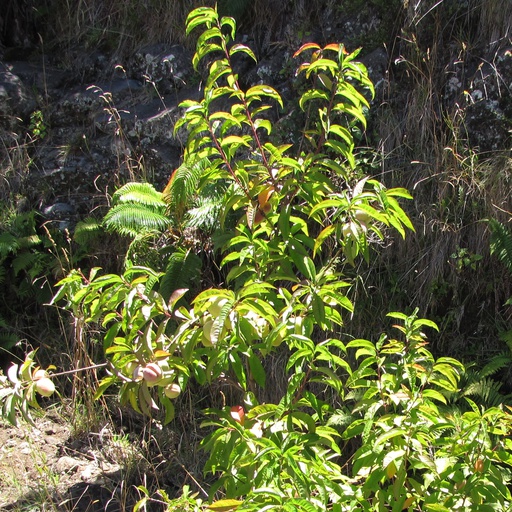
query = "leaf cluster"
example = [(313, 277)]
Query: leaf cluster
[(27, 266), (361, 425)]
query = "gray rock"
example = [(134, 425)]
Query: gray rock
[(377, 65), (67, 464), (168, 67), (15, 100), (59, 211)]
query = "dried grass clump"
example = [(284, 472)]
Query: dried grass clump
[(118, 27), (445, 268), (495, 22)]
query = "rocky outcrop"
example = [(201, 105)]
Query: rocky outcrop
[(440, 101), (106, 122), (96, 133)]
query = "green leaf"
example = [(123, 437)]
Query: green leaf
[(322, 64), (354, 429), (447, 371), (210, 33), (237, 48), (204, 50), (351, 94), (355, 112), (234, 139), (239, 369), (104, 385), (343, 133), (391, 456), (320, 239), (255, 289), (364, 347), (318, 310), (329, 203), (226, 117), (298, 254), (390, 434), (257, 370), (263, 123), (325, 81), (201, 16), (399, 192), (218, 68), (434, 395), (169, 408), (313, 94), (118, 348), (300, 504), (258, 91), (229, 22), (225, 505), (342, 149)]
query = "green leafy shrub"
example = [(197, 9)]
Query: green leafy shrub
[(360, 425), (501, 243), (28, 267)]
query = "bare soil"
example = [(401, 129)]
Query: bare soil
[(47, 468)]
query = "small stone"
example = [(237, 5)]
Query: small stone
[(67, 464), (89, 474)]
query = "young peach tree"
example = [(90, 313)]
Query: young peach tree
[(362, 425)]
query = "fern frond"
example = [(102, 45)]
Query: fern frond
[(8, 244), (183, 270), (139, 193), (30, 262), (86, 230), (487, 391), (143, 251), (506, 336), (132, 219), (183, 185), (501, 243), (205, 215), (26, 242), (7, 341), (208, 207), (495, 364), (340, 418), (24, 224)]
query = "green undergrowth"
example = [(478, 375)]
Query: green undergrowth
[(241, 282)]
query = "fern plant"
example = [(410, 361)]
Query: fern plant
[(137, 208), (182, 271), (480, 385), (144, 214), (26, 257), (27, 269), (182, 187), (501, 243), (501, 247)]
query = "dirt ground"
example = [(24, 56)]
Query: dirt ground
[(47, 468), (60, 465)]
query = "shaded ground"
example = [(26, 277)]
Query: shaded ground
[(45, 468), (60, 465)]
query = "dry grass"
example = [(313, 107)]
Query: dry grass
[(495, 22), (445, 267), (118, 27)]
